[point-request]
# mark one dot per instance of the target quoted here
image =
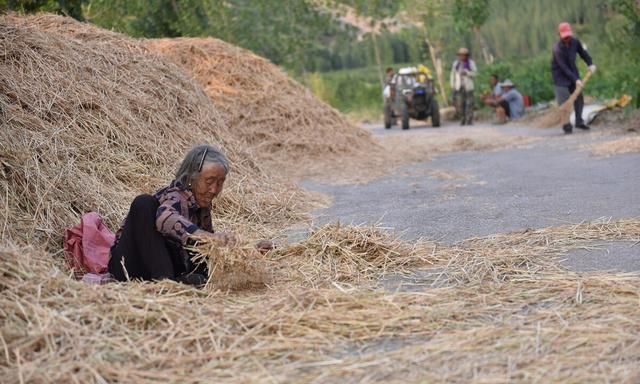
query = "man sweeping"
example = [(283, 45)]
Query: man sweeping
[(565, 72)]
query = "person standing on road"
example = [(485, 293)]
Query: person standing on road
[(389, 96), (463, 71), (564, 71)]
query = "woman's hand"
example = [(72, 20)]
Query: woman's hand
[(225, 239), (265, 246)]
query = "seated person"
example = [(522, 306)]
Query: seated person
[(151, 243), (496, 90), (511, 100), (510, 104)]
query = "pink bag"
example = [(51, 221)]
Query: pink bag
[(88, 244)]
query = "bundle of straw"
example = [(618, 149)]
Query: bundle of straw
[(559, 116), (233, 268)]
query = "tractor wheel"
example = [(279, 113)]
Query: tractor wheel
[(435, 113), (405, 116)]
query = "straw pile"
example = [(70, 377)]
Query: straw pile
[(343, 253), (280, 120), (333, 253), (615, 147), (89, 119), (533, 322)]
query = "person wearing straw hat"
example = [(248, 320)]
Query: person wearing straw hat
[(151, 244), (463, 71), (564, 71), (509, 104)]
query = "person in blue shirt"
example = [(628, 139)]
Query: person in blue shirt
[(496, 88), (507, 101), (511, 100), (564, 71)]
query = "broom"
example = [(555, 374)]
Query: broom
[(559, 116)]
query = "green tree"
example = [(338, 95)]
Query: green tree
[(470, 15), (71, 8)]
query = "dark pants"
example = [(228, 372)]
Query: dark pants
[(563, 94), (464, 105), (505, 106), (147, 254)]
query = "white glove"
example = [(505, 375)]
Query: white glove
[(578, 83), (592, 68)]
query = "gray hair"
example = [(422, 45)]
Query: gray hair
[(190, 167)]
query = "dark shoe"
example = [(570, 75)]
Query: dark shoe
[(583, 126), (462, 122), (195, 279), (567, 128)]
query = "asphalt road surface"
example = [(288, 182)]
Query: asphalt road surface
[(551, 181)]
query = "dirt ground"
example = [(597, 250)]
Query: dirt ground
[(481, 180)]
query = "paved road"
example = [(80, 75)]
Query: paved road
[(552, 181)]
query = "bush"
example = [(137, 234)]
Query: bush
[(351, 90)]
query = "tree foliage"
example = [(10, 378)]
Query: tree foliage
[(470, 14), (71, 8), (299, 36)]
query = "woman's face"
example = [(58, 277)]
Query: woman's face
[(209, 184)]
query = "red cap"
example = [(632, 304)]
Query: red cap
[(565, 30)]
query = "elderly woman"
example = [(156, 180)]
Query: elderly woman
[(150, 245)]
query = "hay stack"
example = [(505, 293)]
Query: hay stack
[(89, 119), (281, 120)]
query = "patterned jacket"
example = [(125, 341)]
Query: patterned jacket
[(177, 218)]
